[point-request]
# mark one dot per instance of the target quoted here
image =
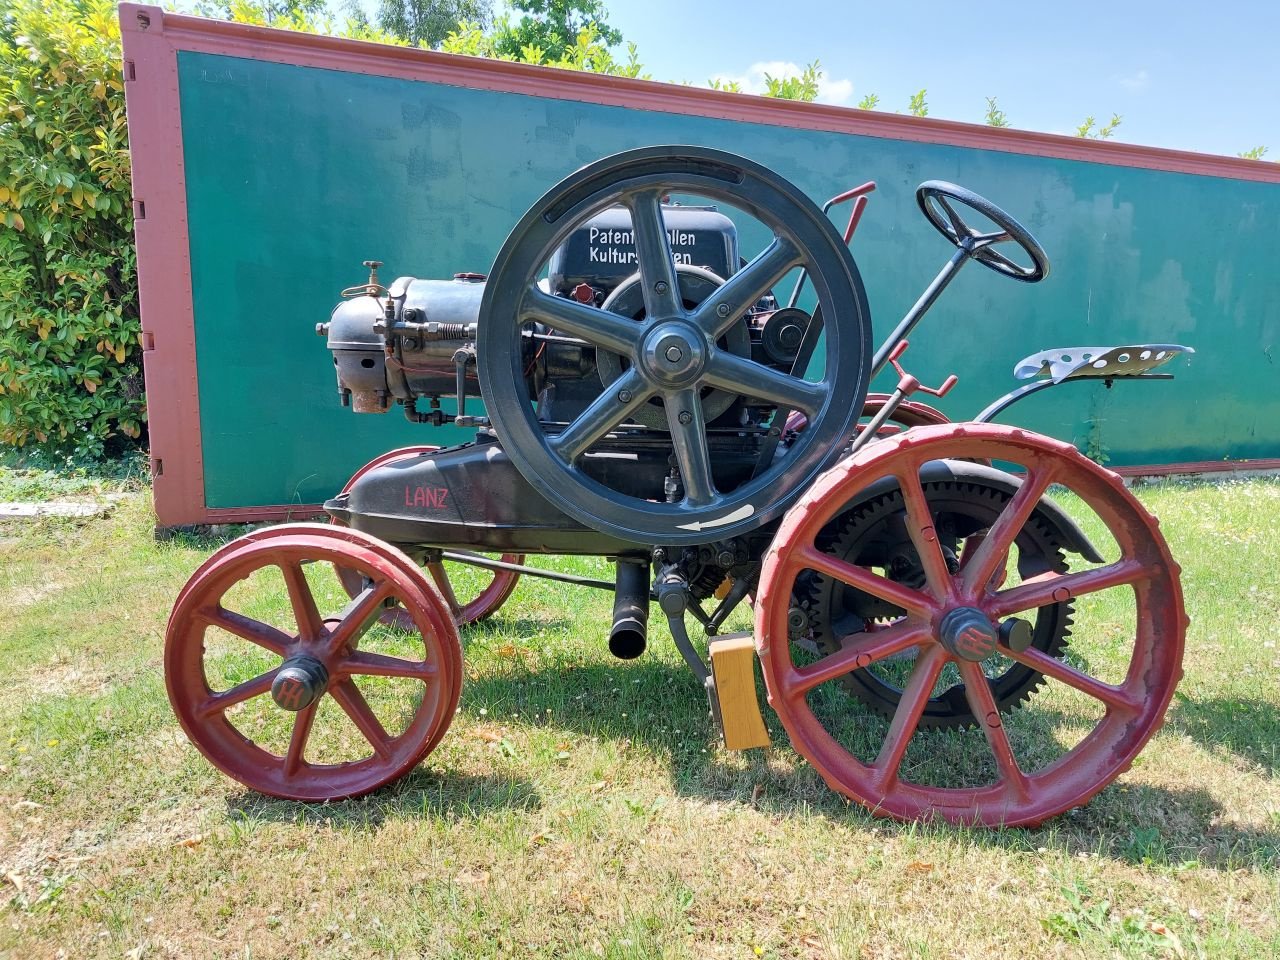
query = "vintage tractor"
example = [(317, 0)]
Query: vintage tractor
[(647, 399)]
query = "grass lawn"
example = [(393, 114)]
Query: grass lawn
[(581, 806)]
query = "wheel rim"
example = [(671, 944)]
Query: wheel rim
[(273, 757), (484, 604), (1132, 709), (687, 339)]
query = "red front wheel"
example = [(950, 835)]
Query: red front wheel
[(302, 704), (959, 619)]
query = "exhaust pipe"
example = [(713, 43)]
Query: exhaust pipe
[(629, 634)]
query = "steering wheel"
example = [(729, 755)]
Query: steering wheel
[(675, 353), (935, 198)]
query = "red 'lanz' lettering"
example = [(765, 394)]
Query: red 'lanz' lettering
[(430, 498)]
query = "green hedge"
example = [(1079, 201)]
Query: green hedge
[(70, 363)]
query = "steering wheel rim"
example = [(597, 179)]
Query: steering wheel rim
[(803, 236), (933, 197)]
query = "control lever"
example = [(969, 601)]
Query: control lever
[(907, 385)]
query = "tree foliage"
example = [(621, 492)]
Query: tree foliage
[(70, 365), (427, 23), (554, 27)]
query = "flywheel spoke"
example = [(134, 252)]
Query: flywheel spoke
[(737, 374), (689, 438), (993, 551), (860, 650), (355, 706), (303, 601), (659, 285), (740, 292), (1059, 587), (977, 690), (603, 414), (614, 333), (906, 718)]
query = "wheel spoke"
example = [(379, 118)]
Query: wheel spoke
[(993, 552), (221, 702), (913, 601), (302, 723), (977, 690), (923, 533), (653, 251), (744, 288), (740, 375), (997, 259), (689, 437), (984, 240), (603, 414), (441, 577), (1054, 587), (860, 650), (246, 628), (906, 718), (364, 663), (1041, 662), (360, 615), (957, 223), (604, 329), (355, 706), (303, 601)]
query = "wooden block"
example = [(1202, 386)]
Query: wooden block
[(733, 659)]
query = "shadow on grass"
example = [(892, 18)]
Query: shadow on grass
[(1248, 728), (505, 626), (658, 706), (422, 793)]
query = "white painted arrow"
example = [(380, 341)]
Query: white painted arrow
[(741, 513)]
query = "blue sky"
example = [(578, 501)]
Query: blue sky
[(1190, 76), (1202, 76)]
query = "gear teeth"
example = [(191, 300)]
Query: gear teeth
[(840, 538)]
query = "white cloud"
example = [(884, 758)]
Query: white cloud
[(1135, 82), (752, 81)]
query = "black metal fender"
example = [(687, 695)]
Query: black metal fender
[(941, 471)]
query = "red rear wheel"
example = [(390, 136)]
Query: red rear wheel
[(296, 704), (960, 617), (473, 596)]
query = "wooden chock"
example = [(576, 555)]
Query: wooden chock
[(733, 660)]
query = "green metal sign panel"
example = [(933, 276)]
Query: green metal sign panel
[(295, 174)]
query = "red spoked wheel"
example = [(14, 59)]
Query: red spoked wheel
[(910, 413), (484, 591), (296, 704), (1106, 693)]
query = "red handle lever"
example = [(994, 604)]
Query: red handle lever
[(860, 204), (909, 384)]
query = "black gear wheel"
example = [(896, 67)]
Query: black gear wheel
[(874, 534)]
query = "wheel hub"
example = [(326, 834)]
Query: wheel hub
[(673, 354), (299, 683), (967, 633)]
